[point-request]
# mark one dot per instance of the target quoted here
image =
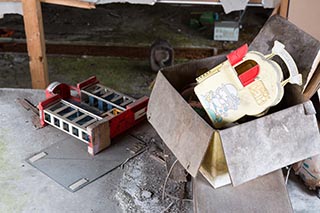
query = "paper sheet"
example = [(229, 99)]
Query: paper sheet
[(10, 7), (231, 5)]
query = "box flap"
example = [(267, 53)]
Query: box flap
[(185, 133), (303, 48), (264, 194), (269, 143), (181, 75)]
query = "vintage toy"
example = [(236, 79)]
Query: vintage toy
[(248, 83), (90, 112)]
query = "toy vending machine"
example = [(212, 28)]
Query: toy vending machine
[(247, 83)]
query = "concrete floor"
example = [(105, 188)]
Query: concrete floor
[(25, 189), (302, 199)]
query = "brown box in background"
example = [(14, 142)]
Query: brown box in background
[(305, 14)]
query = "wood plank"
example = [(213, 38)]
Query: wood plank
[(36, 44), (69, 3), (284, 7), (264, 194), (313, 85), (276, 10)]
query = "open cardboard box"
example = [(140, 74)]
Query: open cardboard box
[(286, 135)]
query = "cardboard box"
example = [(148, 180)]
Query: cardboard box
[(251, 149)]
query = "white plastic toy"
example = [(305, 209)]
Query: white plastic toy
[(248, 83)]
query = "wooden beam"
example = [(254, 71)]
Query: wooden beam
[(284, 8), (36, 44), (276, 10), (70, 3)]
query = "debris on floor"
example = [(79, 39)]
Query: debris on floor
[(308, 170)]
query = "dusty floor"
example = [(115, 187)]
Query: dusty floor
[(136, 187)]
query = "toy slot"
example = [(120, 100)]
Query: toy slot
[(93, 89), (65, 111), (56, 107), (85, 120), (247, 71), (118, 99), (108, 95), (126, 101), (75, 115)]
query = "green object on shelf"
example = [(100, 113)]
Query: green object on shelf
[(207, 18)]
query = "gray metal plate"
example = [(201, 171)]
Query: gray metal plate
[(68, 162), (264, 194)]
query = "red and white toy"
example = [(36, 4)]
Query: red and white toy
[(90, 112)]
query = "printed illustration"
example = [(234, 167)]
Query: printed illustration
[(219, 102)]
